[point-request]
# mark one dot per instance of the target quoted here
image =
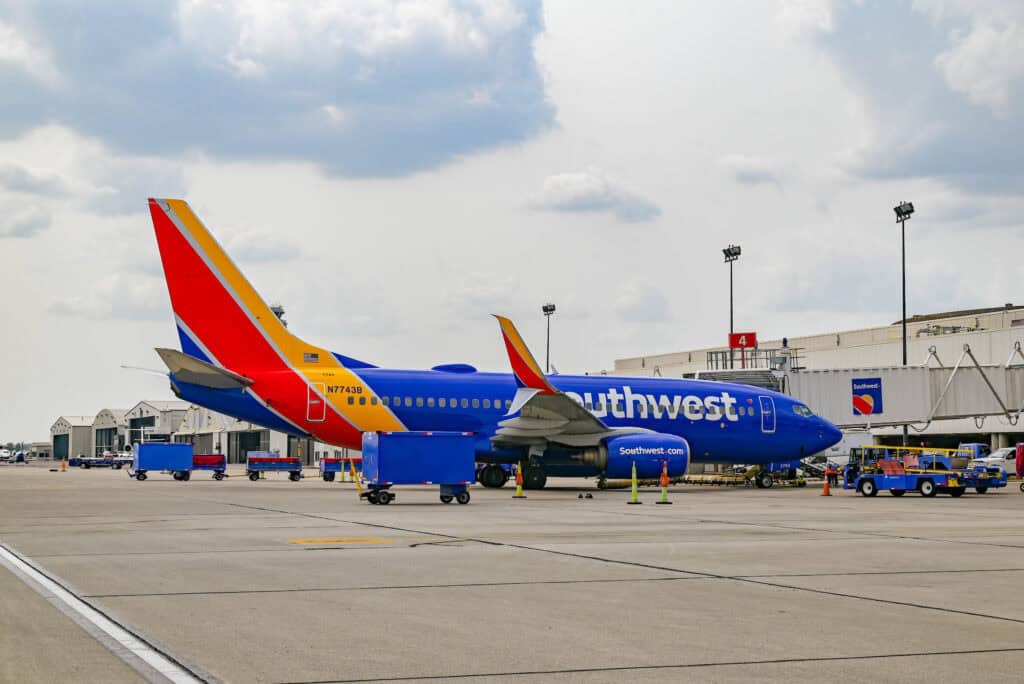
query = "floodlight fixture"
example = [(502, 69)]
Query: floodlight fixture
[(732, 253), (903, 211)]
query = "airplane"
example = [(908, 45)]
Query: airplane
[(238, 357)]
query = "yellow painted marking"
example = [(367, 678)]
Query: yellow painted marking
[(367, 417), (341, 540)]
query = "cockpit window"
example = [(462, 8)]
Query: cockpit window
[(801, 410)]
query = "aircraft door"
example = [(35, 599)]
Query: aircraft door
[(767, 415), (316, 406)]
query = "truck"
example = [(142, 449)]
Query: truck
[(446, 459), (899, 470)]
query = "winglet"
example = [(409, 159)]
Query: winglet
[(524, 366)]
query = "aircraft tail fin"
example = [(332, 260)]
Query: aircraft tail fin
[(527, 371), (221, 318)]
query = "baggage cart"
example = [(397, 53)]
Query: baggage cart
[(160, 456), (218, 463), (446, 459), (257, 462)]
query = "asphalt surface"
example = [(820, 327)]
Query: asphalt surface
[(275, 581)]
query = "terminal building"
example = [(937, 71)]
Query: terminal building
[(937, 340)]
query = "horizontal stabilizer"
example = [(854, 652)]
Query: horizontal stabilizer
[(195, 372)]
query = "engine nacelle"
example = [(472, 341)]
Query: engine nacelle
[(616, 456)]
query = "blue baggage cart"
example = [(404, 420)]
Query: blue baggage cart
[(446, 459), (257, 462), (175, 458)]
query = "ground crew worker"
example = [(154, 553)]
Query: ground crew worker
[(832, 474)]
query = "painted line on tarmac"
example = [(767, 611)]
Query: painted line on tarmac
[(163, 663), (678, 666), (463, 585)]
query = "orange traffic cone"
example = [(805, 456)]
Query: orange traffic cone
[(827, 491), (664, 484), (64, 465), (519, 483)]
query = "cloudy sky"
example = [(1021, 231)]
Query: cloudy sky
[(393, 172)]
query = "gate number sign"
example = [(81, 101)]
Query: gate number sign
[(743, 340)]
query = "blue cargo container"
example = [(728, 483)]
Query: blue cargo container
[(177, 458), (446, 459)]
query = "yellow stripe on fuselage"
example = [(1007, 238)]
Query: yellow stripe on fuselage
[(327, 370)]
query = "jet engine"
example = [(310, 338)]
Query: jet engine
[(615, 456)]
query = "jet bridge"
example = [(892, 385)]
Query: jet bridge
[(915, 395)]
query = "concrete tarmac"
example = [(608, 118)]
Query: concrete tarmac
[(275, 581)]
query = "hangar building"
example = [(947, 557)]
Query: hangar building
[(71, 436), (154, 421), (210, 432), (109, 431)]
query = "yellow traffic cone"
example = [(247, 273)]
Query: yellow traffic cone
[(634, 497), (519, 483), (664, 484)]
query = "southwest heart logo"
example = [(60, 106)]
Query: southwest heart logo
[(863, 405)]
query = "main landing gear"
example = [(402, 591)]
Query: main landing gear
[(493, 476)]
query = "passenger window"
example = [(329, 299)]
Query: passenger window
[(430, 402), (373, 401), (362, 401), (508, 403), (398, 401), (351, 399), (476, 403), (497, 403), (419, 402), (408, 402), (464, 403), (442, 402), (487, 403)]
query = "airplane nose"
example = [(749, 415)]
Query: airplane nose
[(829, 434)]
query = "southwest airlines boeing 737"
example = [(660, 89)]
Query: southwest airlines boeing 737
[(238, 358)]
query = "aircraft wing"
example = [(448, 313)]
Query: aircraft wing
[(546, 415)]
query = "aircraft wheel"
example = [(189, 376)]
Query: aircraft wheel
[(927, 488), (462, 497), (534, 478), (254, 476), (493, 476), (446, 498)]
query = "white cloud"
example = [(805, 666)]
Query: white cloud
[(986, 63), (117, 296), (591, 191), (641, 302), (18, 50), (24, 223), (260, 246), (750, 170), (797, 17), (18, 178)]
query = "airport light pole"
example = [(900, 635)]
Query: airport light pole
[(904, 210), (548, 309), (732, 253)]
